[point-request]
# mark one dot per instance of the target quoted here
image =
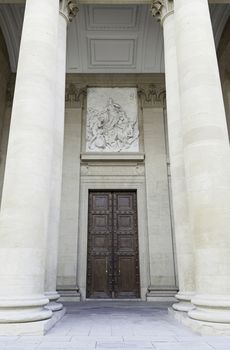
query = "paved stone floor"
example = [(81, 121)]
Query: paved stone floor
[(117, 325)]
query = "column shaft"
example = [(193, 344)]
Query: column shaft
[(184, 246), (26, 190), (55, 201), (207, 159)]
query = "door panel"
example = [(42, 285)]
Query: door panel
[(99, 277), (113, 264), (99, 245), (126, 245), (126, 280)]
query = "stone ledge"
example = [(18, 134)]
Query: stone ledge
[(162, 294), (112, 156), (69, 293)]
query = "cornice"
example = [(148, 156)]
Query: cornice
[(151, 94), (160, 9), (69, 9), (150, 87)]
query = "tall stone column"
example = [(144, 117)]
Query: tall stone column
[(164, 12), (68, 9), (26, 189), (207, 159)]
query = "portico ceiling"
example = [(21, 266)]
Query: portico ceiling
[(104, 38)]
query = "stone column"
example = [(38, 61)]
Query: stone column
[(207, 159), (164, 12), (26, 189), (68, 10)]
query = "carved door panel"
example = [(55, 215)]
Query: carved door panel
[(99, 277), (126, 262), (113, 266)]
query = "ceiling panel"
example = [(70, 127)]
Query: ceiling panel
[(103, 38), (111, 51), (112, 18)]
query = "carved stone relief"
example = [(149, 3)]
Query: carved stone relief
[(74, 95), (160, 8), (152, 95), (156, 8), (112, 120), (69, 9)]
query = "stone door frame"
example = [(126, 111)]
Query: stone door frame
[(113, 184)]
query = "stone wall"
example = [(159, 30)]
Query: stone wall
[(145, 171)]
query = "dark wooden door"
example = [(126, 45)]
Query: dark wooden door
[(112, 264)]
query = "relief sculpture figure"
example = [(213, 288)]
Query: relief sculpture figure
[(110, 129)]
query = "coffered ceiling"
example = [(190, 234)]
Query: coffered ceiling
[(104, 38), (115, 39)]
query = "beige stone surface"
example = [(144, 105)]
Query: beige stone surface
[(56, 180), (34, 171), (183, 235), (117, 171), (207, 159), (162, 264), (68, 240), (25, 199)]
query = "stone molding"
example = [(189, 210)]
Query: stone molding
[(162, 8), (150, 95), (69, 9), (150, 87)]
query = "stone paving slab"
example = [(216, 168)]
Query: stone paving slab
[(116, 326)]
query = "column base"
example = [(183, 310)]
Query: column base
[(53, 305), (210, 308), (161, 294), (201, 327), (184, 302), (37, 328), (26, 309)]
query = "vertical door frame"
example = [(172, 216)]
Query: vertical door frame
[(112, 185)]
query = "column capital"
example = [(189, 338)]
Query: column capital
[(162, 8), (68, 9)]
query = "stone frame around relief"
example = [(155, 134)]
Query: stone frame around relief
[(112, 120)]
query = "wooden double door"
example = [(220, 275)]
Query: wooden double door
[(113, 262)]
